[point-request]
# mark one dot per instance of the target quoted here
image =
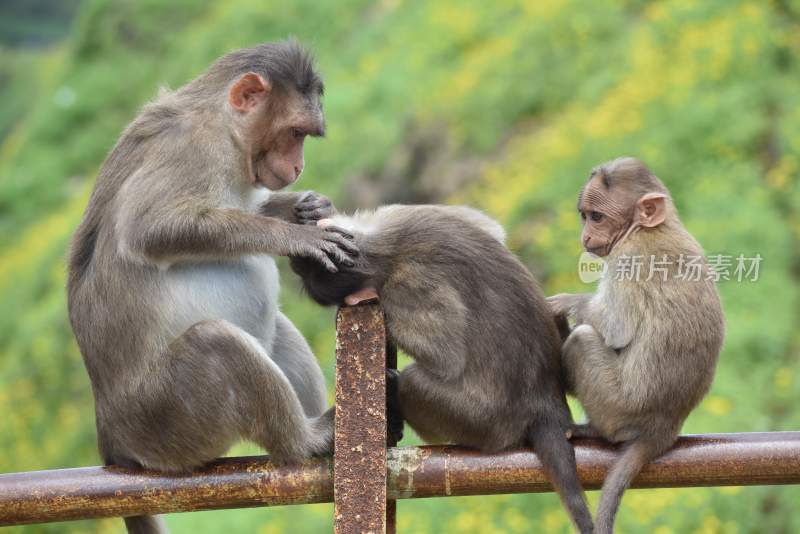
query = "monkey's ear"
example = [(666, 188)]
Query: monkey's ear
[(367, 294), (651, 209), (248, 92)]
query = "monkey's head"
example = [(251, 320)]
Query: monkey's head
[(332, 289), (620, 197), (274, 94)]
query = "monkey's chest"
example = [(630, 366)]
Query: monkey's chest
[(243, 292)]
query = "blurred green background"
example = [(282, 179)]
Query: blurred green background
[(505, 105)]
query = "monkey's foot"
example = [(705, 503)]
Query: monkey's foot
[(395, 431), (394, 417), (582, 431)]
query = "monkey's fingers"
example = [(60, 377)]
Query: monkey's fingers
[(312, 216), (321, 256), (556, 303), (310, 204), (305, 220), (342, 239), (313, 207), (310, 196), (338, 230), (336, 254)]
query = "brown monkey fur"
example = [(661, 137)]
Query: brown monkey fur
[(643, 353)]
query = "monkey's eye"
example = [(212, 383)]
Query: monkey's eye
[(583, 216), (297, 133), (596, 216)]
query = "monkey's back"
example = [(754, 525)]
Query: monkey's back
[(452, 287), (685, 327)]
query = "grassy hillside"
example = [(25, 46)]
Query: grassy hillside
[(504, 105)]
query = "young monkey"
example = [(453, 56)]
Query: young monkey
[(646, 344), (486, 349)]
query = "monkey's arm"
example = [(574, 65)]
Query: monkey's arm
[(616, 317), (281, 205), (304, 207), (618, 330), (428, 319), (611, 318), (591, 368), (175, 230)]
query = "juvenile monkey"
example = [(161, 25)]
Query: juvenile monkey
[(645, 347), (486, 349), (172, 290)]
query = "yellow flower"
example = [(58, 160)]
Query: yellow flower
[(783, 378), (717, 405)]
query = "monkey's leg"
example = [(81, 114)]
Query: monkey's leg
[(594, 372), (416, 410), (293, 355), (591, 368), (448, 412), (271, 413), (217, 385)]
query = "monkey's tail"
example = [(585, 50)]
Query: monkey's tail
[(550, 443), (636, 455), (146, 524)]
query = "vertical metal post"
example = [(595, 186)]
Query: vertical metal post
[(359, 473), (391, 504)]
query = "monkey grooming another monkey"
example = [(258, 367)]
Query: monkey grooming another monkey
[(646, 344), (487, 368), (172, 290)]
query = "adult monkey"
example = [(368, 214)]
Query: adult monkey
[(645, 349), (172, 292)]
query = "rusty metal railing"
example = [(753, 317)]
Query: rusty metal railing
[(364, 474)]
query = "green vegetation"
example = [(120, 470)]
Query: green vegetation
[(505, 105)]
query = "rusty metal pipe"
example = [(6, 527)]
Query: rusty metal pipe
[(359, 483), (91, 492), (746, 459)]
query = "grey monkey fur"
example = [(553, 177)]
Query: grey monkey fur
[(486, 369)]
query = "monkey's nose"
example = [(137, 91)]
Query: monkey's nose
[(297, 172)]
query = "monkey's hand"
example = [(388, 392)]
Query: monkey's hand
[(312, 207), (566, 304), (559, 304), (330, 246)]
